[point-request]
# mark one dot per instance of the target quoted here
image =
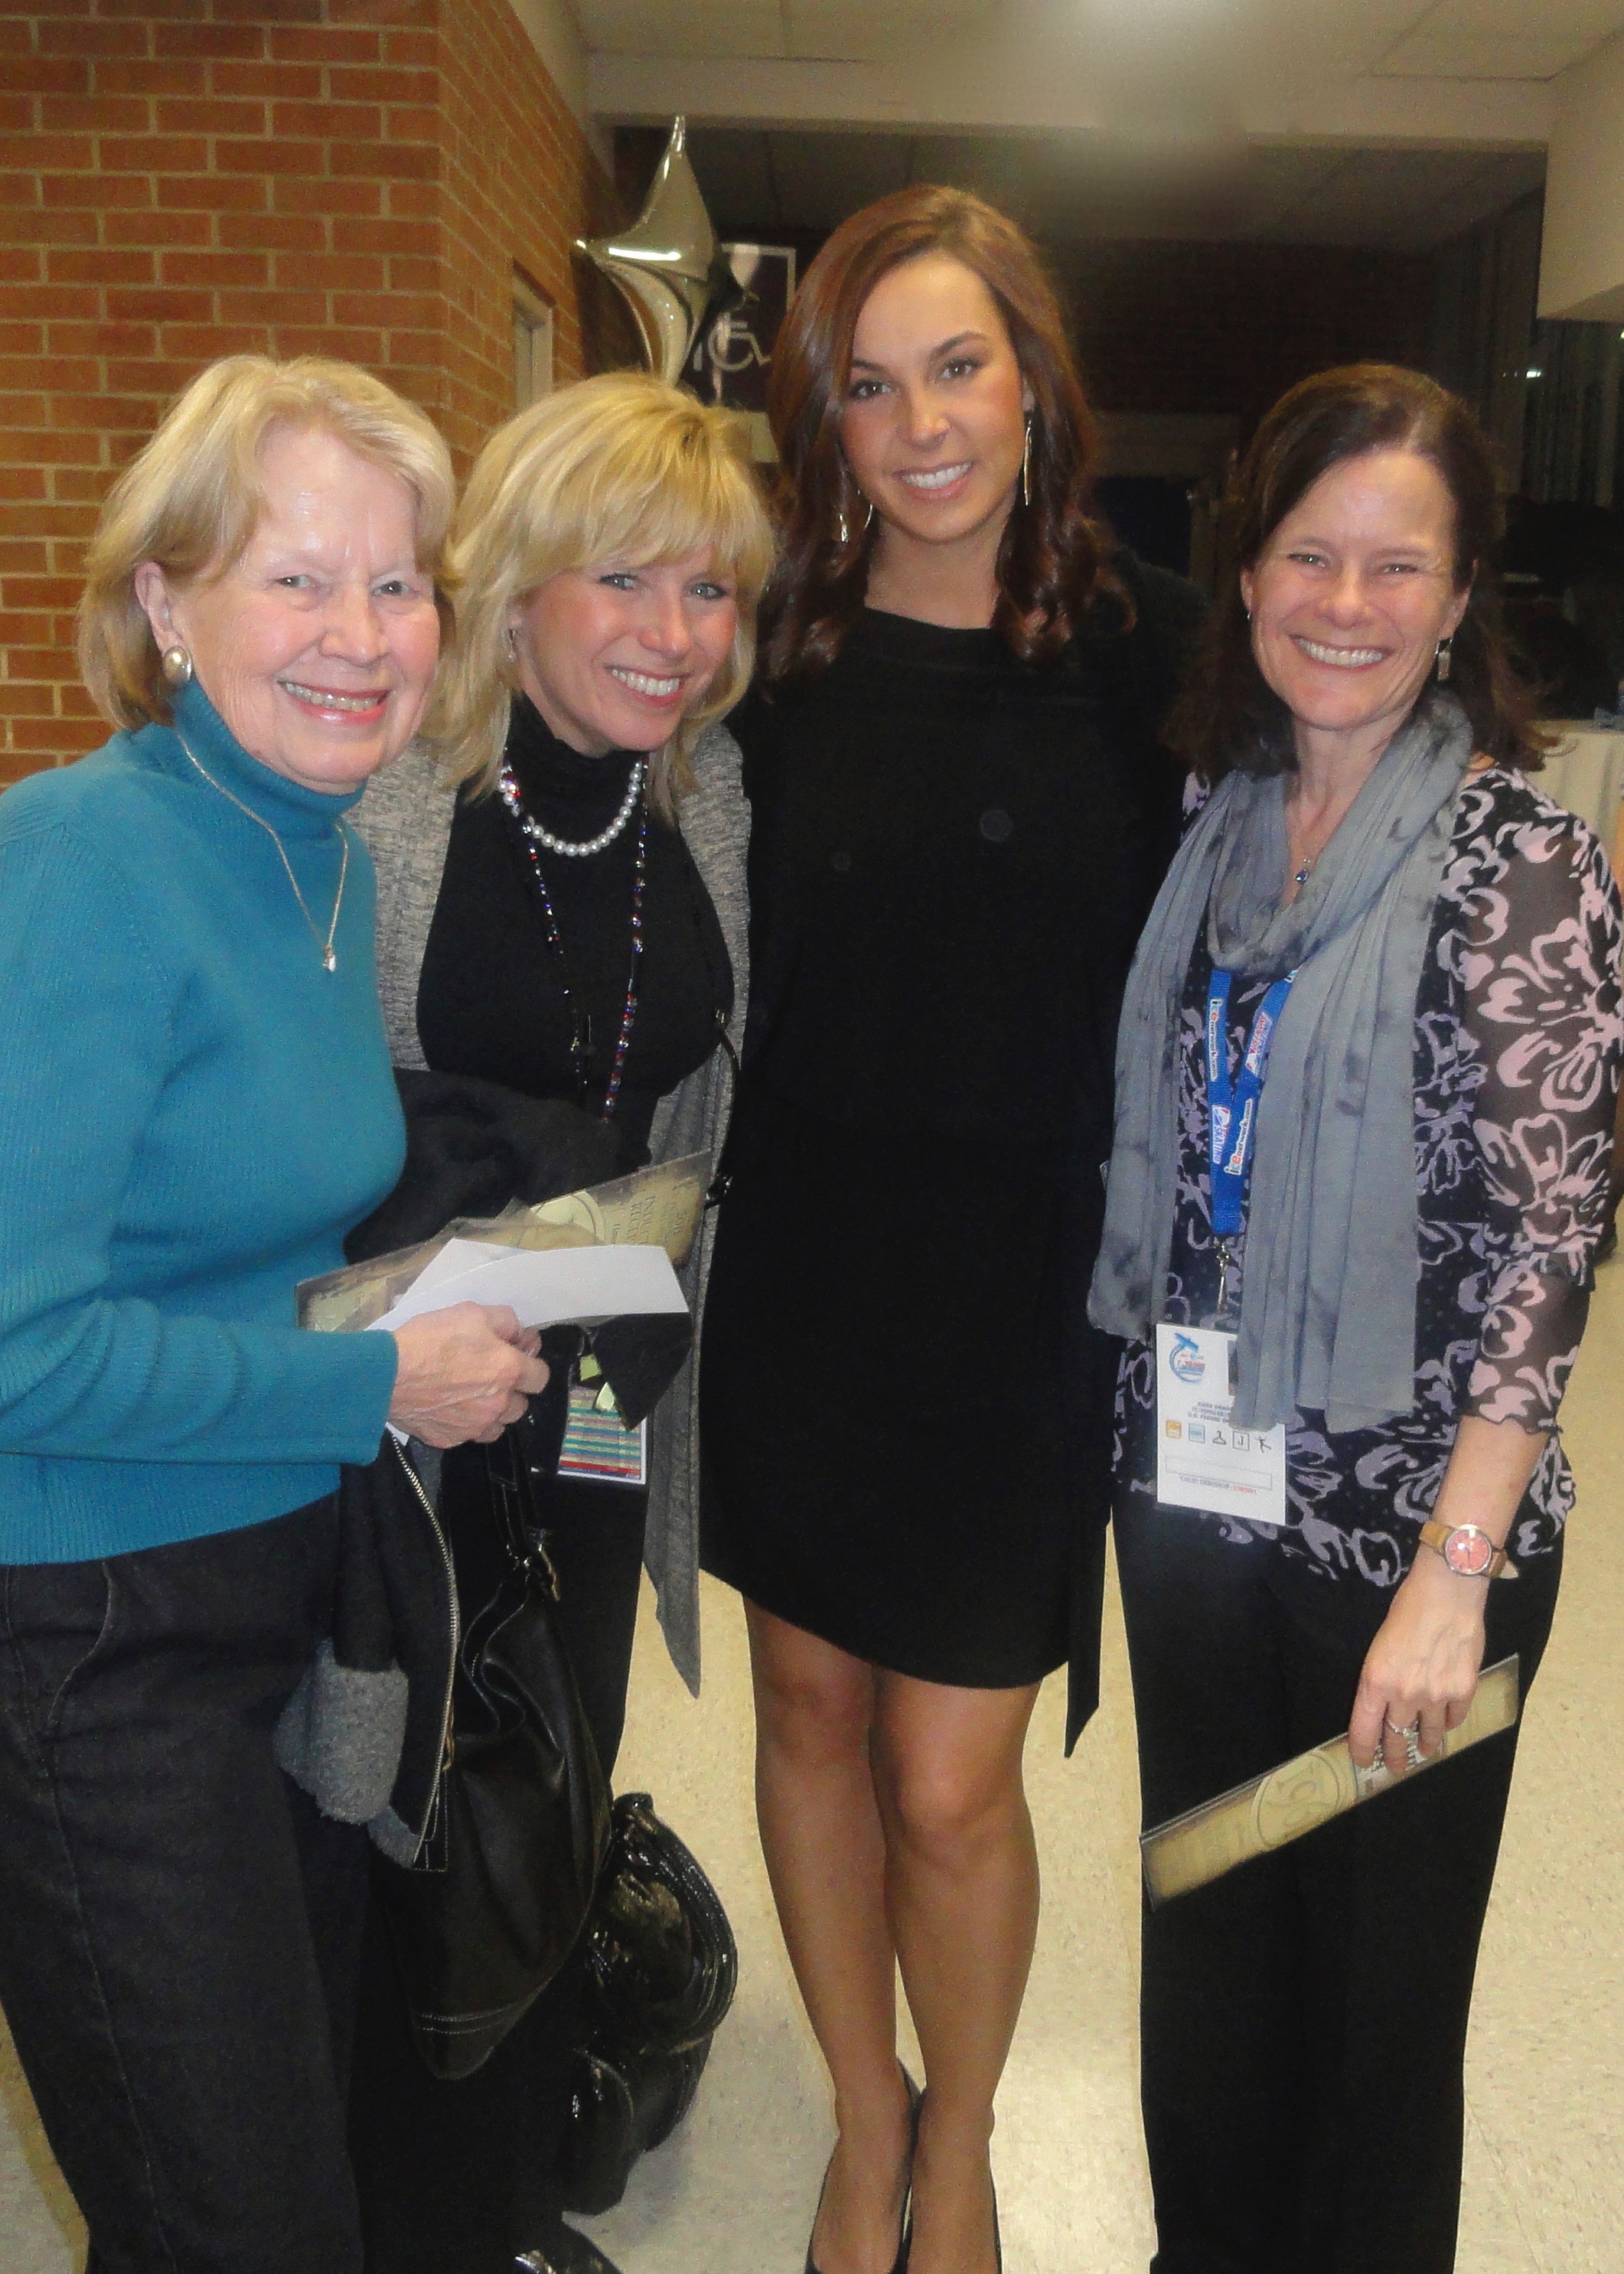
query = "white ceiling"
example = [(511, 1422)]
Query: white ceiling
[(1442, 39), (1068, 189)]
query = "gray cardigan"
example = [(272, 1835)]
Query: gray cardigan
[(405, 818)]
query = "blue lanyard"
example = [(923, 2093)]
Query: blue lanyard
[(1232, 1106)]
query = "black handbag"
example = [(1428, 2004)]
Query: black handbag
[(515, 1847), (661, 1968)]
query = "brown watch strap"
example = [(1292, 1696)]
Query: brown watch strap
[(1436, 1535)]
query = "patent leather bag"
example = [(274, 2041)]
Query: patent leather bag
[(661, 1967), (516, 1845)]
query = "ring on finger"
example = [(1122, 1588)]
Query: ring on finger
[(1403, 1729)]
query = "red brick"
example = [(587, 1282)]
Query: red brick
[(69, 736), (245, 42), (27, 701), (328, 121), (155, 154), (103, 339), (201, 343), (413, 274), (198, 114), (213, 269), (23, 557), (274, 232), (304, 159), (46, 76), (288, 11), (327, 45), (286, 82), (190, 11), (24, 264), (41, 592), (289, 194), (37, 153), (273, 307), (123, 75), (156, 229), (211, 192), (22, 410), (329, 272), (57, 38), (95, 114), (157, 303), (412, 122), (399, 236), (383, 85), (17, 629), (49, 300), (88, 482), (392, 310), (96, 192), (419, 48), (351, 347), (408, 199), (99, 267), (109, 414)]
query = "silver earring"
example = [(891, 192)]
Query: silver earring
[(1444, 648), (1026, 465), (513, 640), (176, 666), (843, 529)]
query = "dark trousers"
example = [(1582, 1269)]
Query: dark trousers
[(1304, 2019), (455, 2178), (179, 1929)]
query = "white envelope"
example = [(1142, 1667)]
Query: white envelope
[(579, 1286)]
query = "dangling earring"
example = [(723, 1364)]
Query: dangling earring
[(176, 666), (843, 529), (513, 644), (1026, 465), (1444, 648), (869, 519)]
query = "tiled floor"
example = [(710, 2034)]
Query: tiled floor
[(733, 2193)]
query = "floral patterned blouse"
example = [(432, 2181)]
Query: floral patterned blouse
[(1518, 1038)]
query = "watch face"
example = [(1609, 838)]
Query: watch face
[(1468, 1551)]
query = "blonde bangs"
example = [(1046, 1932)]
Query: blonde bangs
[(615, 470)]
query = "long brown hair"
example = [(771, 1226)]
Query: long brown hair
[(1051, 562), (1229, 716)]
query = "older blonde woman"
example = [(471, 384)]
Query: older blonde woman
[(561, 913), (195, 1106)]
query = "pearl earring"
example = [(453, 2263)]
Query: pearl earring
[(176, 666)]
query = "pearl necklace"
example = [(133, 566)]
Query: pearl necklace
[(534, 835), (579, 850)]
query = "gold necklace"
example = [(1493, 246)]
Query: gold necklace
[(324, 948)]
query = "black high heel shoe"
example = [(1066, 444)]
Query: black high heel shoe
[(904, 2235)]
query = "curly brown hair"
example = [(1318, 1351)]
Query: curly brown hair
[(1051, 563), (1229, 716)]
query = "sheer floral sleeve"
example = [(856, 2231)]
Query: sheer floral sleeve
[(1538, 966)]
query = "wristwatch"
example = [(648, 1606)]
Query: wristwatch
[(1468, 1549)]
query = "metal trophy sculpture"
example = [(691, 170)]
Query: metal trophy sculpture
[(668, 263)]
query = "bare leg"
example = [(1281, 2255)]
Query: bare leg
[(825, 1853), (962, 1887)]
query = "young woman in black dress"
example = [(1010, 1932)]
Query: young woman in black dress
[(959, 815)]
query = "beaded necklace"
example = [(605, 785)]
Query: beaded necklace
[(534, 838)]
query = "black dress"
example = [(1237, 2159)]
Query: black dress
[(455, 2178), (906, 1418)]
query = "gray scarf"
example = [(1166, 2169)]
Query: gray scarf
[(1328, 1303)]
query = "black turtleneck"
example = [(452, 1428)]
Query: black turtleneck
[(489, 998)]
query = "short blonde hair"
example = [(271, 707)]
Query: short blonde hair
[(618, 468), (191, 498)]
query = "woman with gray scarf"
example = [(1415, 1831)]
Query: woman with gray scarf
[(1366, 1074)]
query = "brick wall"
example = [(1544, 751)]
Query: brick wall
[(187, 178)]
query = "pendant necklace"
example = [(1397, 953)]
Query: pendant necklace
[(535, 836), (324, 948)]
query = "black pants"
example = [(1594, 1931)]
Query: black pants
[(179, 1929), (1304, 2019), (455, 2177)]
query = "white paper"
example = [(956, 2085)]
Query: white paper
[(1202, 1461), (549, 1287)]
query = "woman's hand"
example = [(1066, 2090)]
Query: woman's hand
[(464, 1373), (1422, 1666)]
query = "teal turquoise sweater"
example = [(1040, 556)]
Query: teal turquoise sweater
[(192, 1114)]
